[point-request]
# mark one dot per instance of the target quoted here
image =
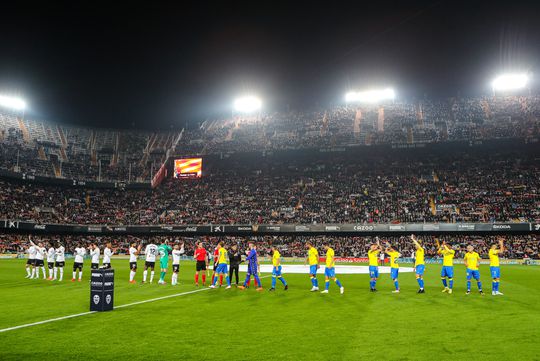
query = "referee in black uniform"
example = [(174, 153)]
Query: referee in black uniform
[(235, 258)]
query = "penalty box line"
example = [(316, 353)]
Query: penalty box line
[(91, 312)]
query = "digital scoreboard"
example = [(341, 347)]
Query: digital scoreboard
[(188, 168)]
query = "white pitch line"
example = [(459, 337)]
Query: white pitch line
[(46, 321), (90, 312), (162, 298)]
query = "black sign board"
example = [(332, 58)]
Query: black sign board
[(102, 290)]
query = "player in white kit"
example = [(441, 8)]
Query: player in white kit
[(176, 252), (51, 255), (150, 252), (41, 252), (60, 262), (133, 254), (78, 264), (94, 253), (107, 254), (31, 262)]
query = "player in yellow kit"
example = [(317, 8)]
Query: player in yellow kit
[(394, 266), (373, 253), (419, 265), (313, 260), (222, 265), (472, 261), (330, 270), (494, 266), (447, 272), (276, 270)]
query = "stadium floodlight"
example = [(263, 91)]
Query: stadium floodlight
[(11, 102), (370, 96), (247, 104), (507, 82)]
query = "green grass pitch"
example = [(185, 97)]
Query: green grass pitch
[(245, 325)]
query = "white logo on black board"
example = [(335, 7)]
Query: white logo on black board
[(96, 299), (108, 299)]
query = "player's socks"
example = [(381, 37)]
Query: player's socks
[(203, 279), (468, 286), (213, 278), (28, 273), (338, 283), (396, 283), (152, 276), (283, 281), (220, 279), (494, 286), (33, 273), (61, 274), (421, 283), (74, 275), (479, 285), (326, 285), (371, 285), (197, 279), (228, 280), (55, 272), (80, 275), (144, 274), (273, 281), (174, 278), (258, 280), (451, 283), (44, 272), (131, 276), (51, 271), (445, 284), (161, 276)]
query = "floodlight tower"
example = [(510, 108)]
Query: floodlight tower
[(509, 82), (13, 103), (248, 104), (370, 96)]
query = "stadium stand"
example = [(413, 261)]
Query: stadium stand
[(466, 186), (111, 155), (518, 246)]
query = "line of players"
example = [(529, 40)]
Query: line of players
[(471, 260), (54, 256), (222, 261)]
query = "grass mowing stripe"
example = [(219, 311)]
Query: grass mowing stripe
[(90, 312)]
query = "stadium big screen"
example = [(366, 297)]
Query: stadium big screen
[(188, 168)]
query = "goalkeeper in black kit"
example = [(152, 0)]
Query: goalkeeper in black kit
[(235, 258)]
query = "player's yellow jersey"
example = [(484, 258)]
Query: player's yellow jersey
[(448, 257), (276, 258), (372, 255), (330, 263), (222, 257), (494, 257), (419, 256), (313, 256), (393, 258), (472, 259)]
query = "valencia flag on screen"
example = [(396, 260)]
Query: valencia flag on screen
[(188, 168)]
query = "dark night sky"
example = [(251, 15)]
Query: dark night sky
[(162, 65)]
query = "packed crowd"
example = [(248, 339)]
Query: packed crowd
[(76, 153), (518, 247), (460, 187)]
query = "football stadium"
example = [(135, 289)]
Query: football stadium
[(199, 182)]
